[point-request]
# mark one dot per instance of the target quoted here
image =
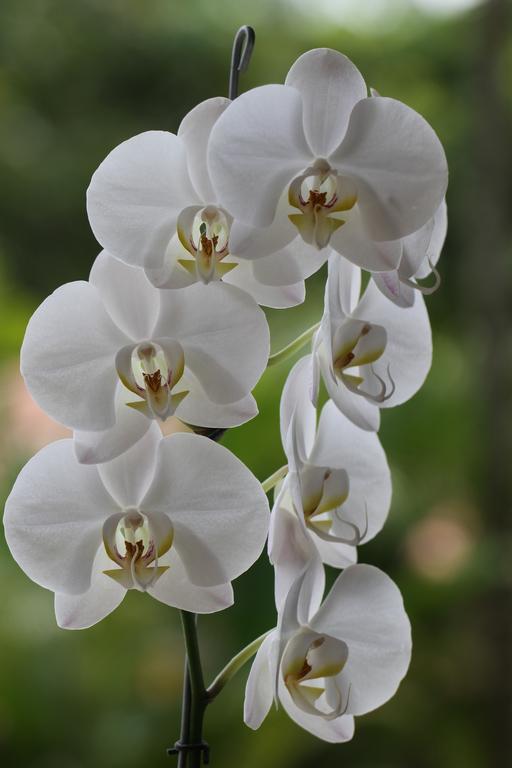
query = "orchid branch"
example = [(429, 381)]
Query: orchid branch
[(293, 346), (273, 480), (232, 667)]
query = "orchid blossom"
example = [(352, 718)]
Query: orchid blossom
[(317, 156), (151, 203), (370, 353), (338, 488), (177, 517), (118, 339), (347, 658)]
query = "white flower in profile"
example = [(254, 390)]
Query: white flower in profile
[(178, 517), (151, 204), (338, 489), (370, 353), (420, 254), (107, 356), (346, 658), (319, 157)]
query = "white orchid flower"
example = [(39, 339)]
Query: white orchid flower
[(116, 343), (151, 204), (347, 659), (370, 353), (318, 157), (178, 517), (338, 490), (420, 254)]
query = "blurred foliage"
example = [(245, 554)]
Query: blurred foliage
[(77, 78)]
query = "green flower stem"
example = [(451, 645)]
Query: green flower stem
[(273, 480), (232, 667), (192, 720), (293, 346)]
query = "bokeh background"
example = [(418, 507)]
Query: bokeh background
[(77, 78)]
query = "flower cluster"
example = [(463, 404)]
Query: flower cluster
[(199, 228)]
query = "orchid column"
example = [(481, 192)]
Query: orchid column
[(199, 230)]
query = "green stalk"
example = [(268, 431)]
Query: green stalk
[(273, 480), (232, 667), (192, 722), (293, 346)]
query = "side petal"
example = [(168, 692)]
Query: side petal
[(365, 609), (199, 411), (174, 588), (398, 164), (275, 296), (127, 295), (217, 507), (194, 131), (330, 86), (103, 596), (259, 691), (105, 445), (296, 261), (136, 194), (297, 410), (224, 335), (67, 357), (256, 148), (355, 243), (54, 516)]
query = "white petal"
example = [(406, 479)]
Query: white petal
[(103, 596), (294, 262), (54, 517), (275, 296), (330, 86), (365, 609), (256, 148), (353, 241), (174, 588), (105, 445), (296, 399), (436, 241), (341, 444), (194, 131), (334, 731), (408, 352), (390, 285), (198, 410), (250, 242), (217, 507), (170, 273), (335, 554), (343, 287), (67, 357), (127, 295), (136, 195), (127, 477), (398, 164), (259, 691), (224, 335), (360, 411), (290, 551)]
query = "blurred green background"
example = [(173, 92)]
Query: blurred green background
[(77, 78)]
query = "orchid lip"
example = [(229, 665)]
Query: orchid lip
[(310, 665), (131, 541), (151, 370), (204, 233), (320, 194)]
